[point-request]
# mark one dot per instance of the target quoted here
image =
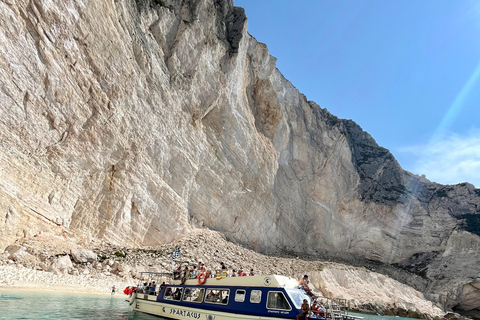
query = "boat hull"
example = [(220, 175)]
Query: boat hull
[(169, 311)]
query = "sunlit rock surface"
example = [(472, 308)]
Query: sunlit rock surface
[(138, 121)]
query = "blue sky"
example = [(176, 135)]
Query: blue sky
[(408, 72)]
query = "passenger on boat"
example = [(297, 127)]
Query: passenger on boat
[(193, 274), (185, 275), (251, 272), (241, 273), (222, 266), (209, 274), (321, 312), (305, 310), (162, 286), (210, 296), (303, 284), (177, 294), (225, 300), (151, 288), (315, 308), (234, 273), (177, 274)]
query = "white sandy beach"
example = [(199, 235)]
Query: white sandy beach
[(20, 278)]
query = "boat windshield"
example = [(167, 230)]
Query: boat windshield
[(297, 297)]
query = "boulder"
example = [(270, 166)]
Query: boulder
[(83, 255), (61, 263)]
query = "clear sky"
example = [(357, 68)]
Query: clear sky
[(408, 72)]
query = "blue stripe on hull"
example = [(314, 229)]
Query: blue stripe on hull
[(246, 307), (186, 313), (235, 309)]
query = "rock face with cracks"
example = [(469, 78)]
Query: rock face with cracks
[(136, 122)]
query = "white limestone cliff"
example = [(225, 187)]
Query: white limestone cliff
[(137, 122)]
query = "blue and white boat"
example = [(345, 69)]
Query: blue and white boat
[(243, 298)]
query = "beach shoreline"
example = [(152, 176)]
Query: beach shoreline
[(60, 290), (15, 278)]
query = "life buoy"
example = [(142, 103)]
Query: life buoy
[(202, 278)]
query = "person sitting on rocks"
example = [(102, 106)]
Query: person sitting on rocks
[(305, 310)]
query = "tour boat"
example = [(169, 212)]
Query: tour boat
[(242, 298)]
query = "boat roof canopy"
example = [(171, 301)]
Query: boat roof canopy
[(271, 281), (155, 273)]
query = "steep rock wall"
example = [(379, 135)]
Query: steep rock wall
[(137, 121)]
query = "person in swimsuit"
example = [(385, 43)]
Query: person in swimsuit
[(305, 310)]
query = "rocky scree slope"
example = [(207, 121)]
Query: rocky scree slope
[(136, 122), (57, 262)]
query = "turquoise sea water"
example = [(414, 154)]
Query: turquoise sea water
[(18, 304)]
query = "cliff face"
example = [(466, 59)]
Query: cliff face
[(138, 121)]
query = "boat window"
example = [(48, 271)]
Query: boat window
[(277, 300), (297, 297), (193, 294), (172, 293), (240, 296), (255, 296), (217, 296)]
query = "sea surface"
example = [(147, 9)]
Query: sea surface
[(18, 304)]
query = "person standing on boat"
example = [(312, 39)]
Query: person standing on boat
[(199, 267), (194, 272), (305, 310)]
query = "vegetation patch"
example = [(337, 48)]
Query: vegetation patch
[(120, 254)]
